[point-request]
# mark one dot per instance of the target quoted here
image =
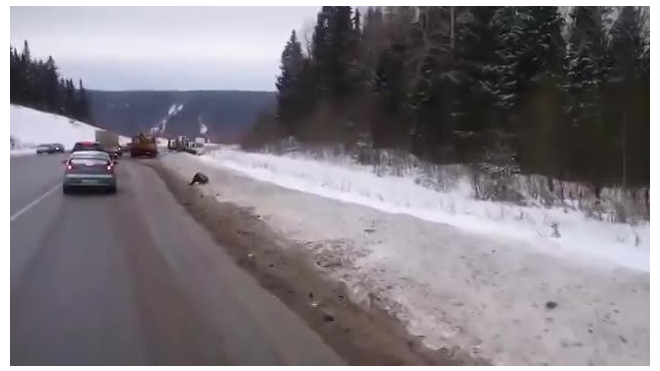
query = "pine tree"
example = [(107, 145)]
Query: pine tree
[(390, 128), (61, 94), (84, 113), (15, 80), (289, 102), (25, 56), (475, 52), (357, 25), (628, 92), (37, 85), (50, 85), (357, 75), (431, 58), (332, 52), (340, 39), (321, 51), (373, 40), (587, 66), (529, 46), (70, 106), (540, 127)]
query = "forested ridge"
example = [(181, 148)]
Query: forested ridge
[(37, 84)]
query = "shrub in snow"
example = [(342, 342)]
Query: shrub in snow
[(482, 181)]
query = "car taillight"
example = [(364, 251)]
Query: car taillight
[(109, 167)]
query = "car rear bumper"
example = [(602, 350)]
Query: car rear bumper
[(90, 180)]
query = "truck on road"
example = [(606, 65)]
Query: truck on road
[(144, 145), (109, 142)]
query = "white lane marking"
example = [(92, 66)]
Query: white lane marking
[(33, 203)]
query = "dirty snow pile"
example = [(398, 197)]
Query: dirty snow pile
[(496, 294), (554, 230), (29, 128)]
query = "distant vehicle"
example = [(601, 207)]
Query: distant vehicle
[(182, 144), (124, 148), (144, 145), (109, 142), (58, 147), (46, 148), (172, 144), (89, 169), (87, 146)]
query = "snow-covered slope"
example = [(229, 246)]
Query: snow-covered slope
[(562, 231), (485, 293), (29, 128)]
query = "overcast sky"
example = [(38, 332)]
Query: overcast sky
[(184, 48)]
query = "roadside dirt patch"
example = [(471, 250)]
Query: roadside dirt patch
[(362, 336)]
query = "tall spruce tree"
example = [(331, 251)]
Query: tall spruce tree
[(84, 113), (587, 67), (332, 53), (289, 102), (50, 86), (628, 94)]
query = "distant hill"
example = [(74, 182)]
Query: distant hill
[(223, 115)]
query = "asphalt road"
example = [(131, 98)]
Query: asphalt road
[(131, 279)]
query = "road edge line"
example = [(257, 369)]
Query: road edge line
[(33, 203)]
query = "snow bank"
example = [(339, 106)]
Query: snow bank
[(554, 230), (21, 152), (29, 128), (486, 294)]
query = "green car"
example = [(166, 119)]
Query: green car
[(89, 170)]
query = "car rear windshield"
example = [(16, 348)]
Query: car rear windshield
[(89, 161), (87, 147)]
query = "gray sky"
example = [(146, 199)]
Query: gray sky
[(186, 48)]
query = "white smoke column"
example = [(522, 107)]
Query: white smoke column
[(173, 111)]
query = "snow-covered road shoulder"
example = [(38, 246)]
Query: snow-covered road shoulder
[(22, 152), (487, 295)]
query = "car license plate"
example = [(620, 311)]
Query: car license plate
[(90, 181)]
